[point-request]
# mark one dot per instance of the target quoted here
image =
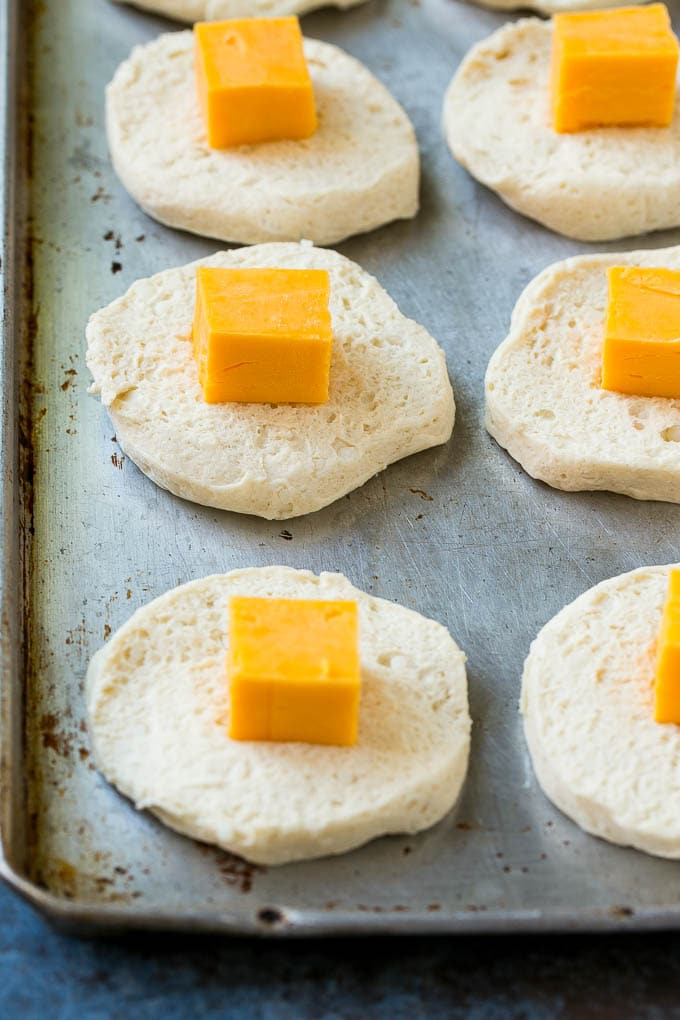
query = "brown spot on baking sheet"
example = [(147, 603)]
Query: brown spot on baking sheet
[(53, 738), (118, 461), (116, 267), (398, 908), (286, 535), (69, 374), (107, 631), (110, 235), (621, 911), (236, 872), (423, 495), (100, 195), (66, 875), (26, 423), (72, 880), (78, 635)]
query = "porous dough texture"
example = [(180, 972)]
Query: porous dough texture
[(592, 185), (216, 10), (588, 707), (158, 707), (358, 171), (390, 394), (544, 401)]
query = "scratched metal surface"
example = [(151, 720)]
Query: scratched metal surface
[(459, 533)]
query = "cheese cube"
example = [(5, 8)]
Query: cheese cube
[(263, 335), (641, 353), (294, 671), (613, 67), (253, 81), (667, 689)]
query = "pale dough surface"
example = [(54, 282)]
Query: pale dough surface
[(390, 394), (588, 706), (592, 185), (158, 707), (216, 10), (359, 170), (544, 401)]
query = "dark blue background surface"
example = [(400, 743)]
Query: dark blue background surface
[(44, 973)]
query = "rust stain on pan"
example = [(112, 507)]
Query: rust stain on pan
[(69, 374), (110, 235), (64, 879), (54, 738), (26, 425), (236, 872)]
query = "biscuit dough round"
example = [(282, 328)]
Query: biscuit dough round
[(216, 10), (588, 707), (358, 171), (157, 700), (390, 394), (593, 185), (544, 401)]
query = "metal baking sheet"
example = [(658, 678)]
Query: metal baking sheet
[(459, 533)]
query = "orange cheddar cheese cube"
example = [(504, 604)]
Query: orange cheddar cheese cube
[(667, 688), (641, 353), (263, 335), (294, 671), (613, 67), (253, 82)]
